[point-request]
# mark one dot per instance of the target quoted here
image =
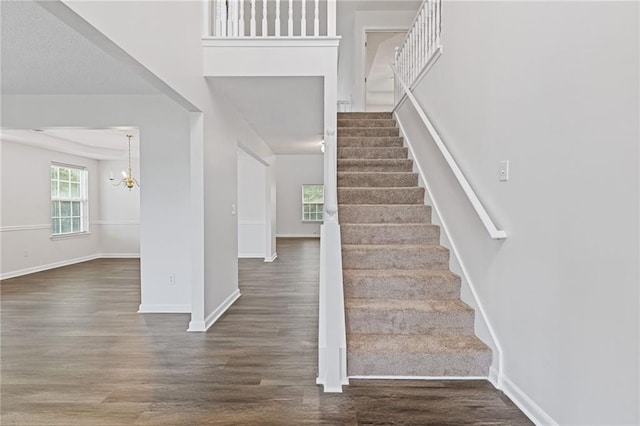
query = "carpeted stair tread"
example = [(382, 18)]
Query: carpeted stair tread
[(384, 213), (365, 115), (368, 131), (417, 355), (366, 122), (375, 165), (390, 233), (408, 195), (401, 284), (377, 179), (364, 142), (396, 316), (373, 152), (394, 256)]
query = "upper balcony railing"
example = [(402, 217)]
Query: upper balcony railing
[(270, 18)]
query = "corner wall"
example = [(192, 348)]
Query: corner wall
[(552, 87)]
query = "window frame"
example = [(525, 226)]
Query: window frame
[(82, 199), (316, 212)]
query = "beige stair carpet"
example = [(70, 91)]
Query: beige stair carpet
[(403, 309)]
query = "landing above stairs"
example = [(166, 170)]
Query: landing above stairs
[(403, 309)]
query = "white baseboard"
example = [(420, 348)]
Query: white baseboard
[(297, 235), (164, 309), (119, 256), (250, 255), (40, 268), (418, 377), (217, 313), (272, 258), (532, 410)]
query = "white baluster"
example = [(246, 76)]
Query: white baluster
[(222, 18), (303, 19), (432, 22), (331, 18), (265, 25), (438, 21), (290, 21), (316, 19), (252, 22), (277, 18), (241, 20), (231, 18)]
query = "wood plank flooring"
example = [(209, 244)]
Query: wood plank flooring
[(75, 352)]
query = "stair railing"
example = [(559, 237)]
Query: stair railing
[(419, 51), (239, 18), (332, 341), (421, 45)]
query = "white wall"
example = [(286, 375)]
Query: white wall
[(252, 208), (552, 87), (293, 171), (26, 211), (119, 215)]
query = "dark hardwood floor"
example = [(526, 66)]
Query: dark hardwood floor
[(75, 352)]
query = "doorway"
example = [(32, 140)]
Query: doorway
[(379, 80)]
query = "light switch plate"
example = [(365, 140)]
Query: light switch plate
[(503, 173)]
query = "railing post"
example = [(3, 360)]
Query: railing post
[(207, 28)]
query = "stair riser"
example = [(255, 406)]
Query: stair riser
[(380, 195), (361, 180), (384, 214), (372, 153), (365, 116), (359, 234), (365, 122), (399, 288), (363, 142), (419, 364), (375, 132), (397, 166), (397, 258), (409, 322)]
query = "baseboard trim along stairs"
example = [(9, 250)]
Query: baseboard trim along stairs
[(403, 310)]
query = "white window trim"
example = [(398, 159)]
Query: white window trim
[(84, 202)]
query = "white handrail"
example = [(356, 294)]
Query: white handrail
[(493, 231)]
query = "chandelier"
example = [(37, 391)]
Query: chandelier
[(127, 177)]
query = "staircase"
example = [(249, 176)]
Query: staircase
[(404, 315)]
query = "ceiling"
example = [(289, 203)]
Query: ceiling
[(287, 112), (99, 144), (41, 55)]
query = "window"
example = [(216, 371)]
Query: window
[(68, 199), (312, 203)]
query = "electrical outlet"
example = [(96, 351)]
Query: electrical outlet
[(503, 172), (234, 209), (27, 253), (172, 279)]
